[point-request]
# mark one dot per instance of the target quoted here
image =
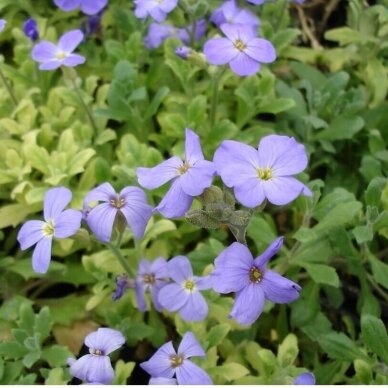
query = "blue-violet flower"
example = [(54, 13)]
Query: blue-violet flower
[(306, 378), (3, 22), (30, 29), (88, 7), (157, 9)]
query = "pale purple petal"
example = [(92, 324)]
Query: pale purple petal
[(157, 14), (70, 40), (179, 269), (244, 65), (306, 378), (176, 202), (155, 294), (44, 51), (41, 256), (246, 17), (168, 5), (275, 246), (136, 210), (195, 308), (100, 220), (73, 60), (144, 267), (140, 288), (232, 267), (2, 24), (162, 381), (197, 178), (283, 190), (172, 297), (219, 51), (159, 365), (67, 5), (67, 223), (51, 65), (104, 192), (261, 50), (279, 289), (159, 268), (283, 154), (30, 233), (238, 31), (55, 200), (93, 369), (154, 177), (91, 7), (190, 374), (248, 305), (105, 339), (193, 151), (250, 193), (203, 282), (190, 347)]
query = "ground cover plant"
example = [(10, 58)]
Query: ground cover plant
[(193, 192)]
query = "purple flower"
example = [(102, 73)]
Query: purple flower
[(230, 13), (152, 276), (237, 271), (162, 381), (89, 7), (52, 56), (263, 173), (57, 223), (131, 203), (3, 22), (306, 378), (189, 178), (183, 294), (166, 362), (199, 32), (30, 29), (95, 368), (157, 9), (122, 284), (183, 52), (241, 49)]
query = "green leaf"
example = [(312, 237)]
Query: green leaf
[(77, 163), (375, 336), (156, 229), (230, 371), (379, 270), (56, 376), (363, 372), (275, 106), (43, 323), (363, 233), (342, 127), (13, 215), (339, 346), (345, 36), (377, 80), (374, 191), (288, 350), (123, 371), (56, 355), (217, 334), (322, 274), (153, 107), (12, 350), (31, 358)]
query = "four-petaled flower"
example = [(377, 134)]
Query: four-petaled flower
[(166, 362), (306, 378), (51, 56), (131, 204), (190, 178), (157, 9), (237, 271), (183, 294), (152, 276), (241, 49), (57, 223), (263, 173), (96, 367), (89, 7)]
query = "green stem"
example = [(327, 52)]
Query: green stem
[(281, 16), (215, 95), (117, 252), (8, 87)]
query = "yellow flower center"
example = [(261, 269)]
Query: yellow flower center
[(189, 285), (264, 173), (176, 361), (60, 55), (149, 279), (48, 228), (118, 203), (96, 352), (183, 168), (255, 275), (240, 45)]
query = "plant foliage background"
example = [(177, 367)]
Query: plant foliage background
[(327, 89)]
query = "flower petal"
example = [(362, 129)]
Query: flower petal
[(55, 200), (41, 256), (190, 346), (167, 5), (244, 65), (250, 193), (176, 202), (179, 269), (105, 339), (203, 282), (195, 308), (136, 210), (270, 252), (248, 305), (140, 289), (51, 65), (104, 192), (154, 177), (159, 268), (283, 190), (172, 297), (279, 289), (44, 51), (100, 220), (197, 178), (306, 378), (232, 267), (67, 5), (219, 51), (70, 40), (67, 223), (261, 50), (30, 233), (238, 32), (283, 154), (190, 374), (193, 150), (91, 7), (157, 14), (162, 381), (73, 60), (155, 288), (93, 369), (159, 365)]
